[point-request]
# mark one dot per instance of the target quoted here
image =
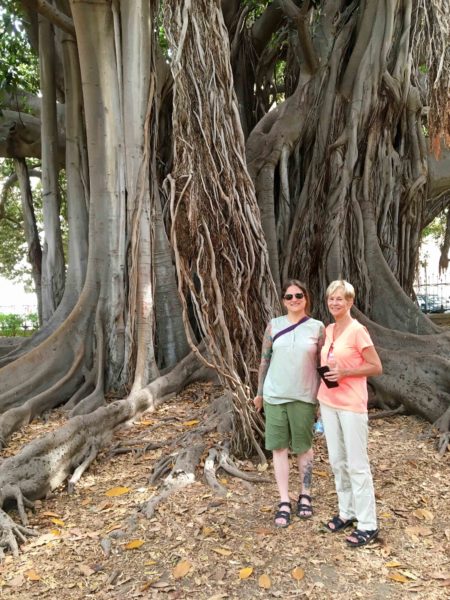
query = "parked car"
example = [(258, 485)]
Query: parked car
[(430, 303)]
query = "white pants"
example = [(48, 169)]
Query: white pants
[(346, 433)]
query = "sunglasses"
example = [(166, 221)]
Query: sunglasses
[(297, 296)]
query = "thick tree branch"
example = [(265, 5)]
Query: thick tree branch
[(299, 16), (439, 174), (55, 16)]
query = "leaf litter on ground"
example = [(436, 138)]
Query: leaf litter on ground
[(200, 546)]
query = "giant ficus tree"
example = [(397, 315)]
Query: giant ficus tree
[(210, 150)]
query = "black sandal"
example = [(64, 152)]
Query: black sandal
[(283, 514), (363, 536), (339, 524), (306, 508)]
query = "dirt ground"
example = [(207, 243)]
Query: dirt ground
[(96, 544)]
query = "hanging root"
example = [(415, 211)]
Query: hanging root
[(181, 475)]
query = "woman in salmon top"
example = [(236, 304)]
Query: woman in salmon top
[(351, 357)]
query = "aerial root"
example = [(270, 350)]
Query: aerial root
[(11, 533)]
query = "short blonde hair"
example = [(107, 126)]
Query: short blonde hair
[(349, 290)]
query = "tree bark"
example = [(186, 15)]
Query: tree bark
[(53, 264)]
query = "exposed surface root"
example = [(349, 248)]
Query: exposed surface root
[(182, 475), (210, 469), (10, 533), (19, 416), (400, 410), (229, 466), (443, 443)]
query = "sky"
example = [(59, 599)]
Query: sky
[(14, 299)]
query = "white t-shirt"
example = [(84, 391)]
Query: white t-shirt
[(292, 371)]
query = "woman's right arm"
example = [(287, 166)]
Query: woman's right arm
[(266, 354)]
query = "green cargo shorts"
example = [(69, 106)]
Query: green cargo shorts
[(289, 425)]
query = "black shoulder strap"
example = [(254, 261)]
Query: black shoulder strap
[(288, 329)]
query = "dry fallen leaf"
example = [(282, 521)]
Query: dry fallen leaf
[(418, 531), (104, 505), (222, 551), (117, 491), (182, 569), (298, 573), (58, 522), (245, 573), (134, 544), (423, 513), (55, 532), (408, 574), (32, 575), (191, 423), (264, 582), (265, 509), (264, 531), (261, 467), (50, 514), (439, 575), (86, 570), (114, 527), (206, 531), (395, 576), (16, 582), (392, 563), (320, 473)]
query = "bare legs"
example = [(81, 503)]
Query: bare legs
[(281, 468), (305, 467)]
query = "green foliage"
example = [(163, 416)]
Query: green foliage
[(13, 245), (18, 62), (12, 324), (14, 263), (436, 229)]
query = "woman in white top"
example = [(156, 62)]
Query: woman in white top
[(287, 388)]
